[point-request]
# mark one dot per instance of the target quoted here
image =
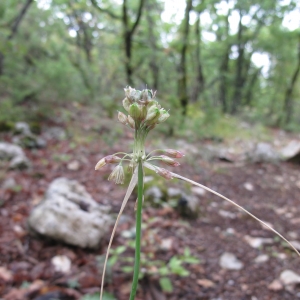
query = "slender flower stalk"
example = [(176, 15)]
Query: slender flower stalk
[(144, 114)]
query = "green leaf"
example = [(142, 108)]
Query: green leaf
[(166, 284)]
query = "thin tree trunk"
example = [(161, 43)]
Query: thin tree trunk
[(152, 41), (249, 93), (200, 81), (128, 35), (288, 101), (18, 19), (14, 29), (182, 81), (239, 70), (224, 69)]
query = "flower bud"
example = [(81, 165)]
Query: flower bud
[(152, 114), (132, 94), (169, 161), (110, 159), (126, 104), (164, 115), (134, 111), (174, 153), (122, 118), (164, 173), (131, 122)]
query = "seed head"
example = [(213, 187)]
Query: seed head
[(122, 118), (117, 175), (131, 122), (164, 115), (126, 104)]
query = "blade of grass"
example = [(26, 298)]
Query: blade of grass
[(151, 167), (138, 232), (235, 204), (131, 186)]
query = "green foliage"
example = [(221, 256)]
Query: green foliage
[(106, 296)]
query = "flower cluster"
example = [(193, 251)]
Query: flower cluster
[(143, 110), (144, 113)]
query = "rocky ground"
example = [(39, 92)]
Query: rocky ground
[(220, 252)]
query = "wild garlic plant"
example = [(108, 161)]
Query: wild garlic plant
[(144, 114)]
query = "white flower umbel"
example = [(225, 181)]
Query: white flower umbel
[(144, 114)]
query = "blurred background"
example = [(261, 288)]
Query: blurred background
[(227, 71)]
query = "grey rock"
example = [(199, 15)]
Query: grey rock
[(9, 151), (153, 194), (198, 191), (188, 206), (291, 152), (22, 128), (229, 261), (226, 214), (69, 214), (56, 133), (289, 277), (257, 242), (8, 184), (174, 192), (262, 258), (15, 155), (264, 152)]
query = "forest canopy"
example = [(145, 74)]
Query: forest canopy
[(207, 56)]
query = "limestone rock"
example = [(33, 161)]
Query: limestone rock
[(69, 214), (14, 154), (188, 206), (263, 152), (289, 277), (291, 152), (229, 261), (256, 242)]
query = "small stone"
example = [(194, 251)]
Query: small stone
[(289, 277), (256, 242), (261, 258), (198, 191), (173, 192), (230, 231), (61, 263), (229, 261), (5, 274), (296, 244), (22, 128), (8, 184), (206, 283), (227, 214), (249, 186), (275, 285), (166, 244), (148, 179), (73, 165)]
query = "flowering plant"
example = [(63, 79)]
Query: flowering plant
[(144, 114)]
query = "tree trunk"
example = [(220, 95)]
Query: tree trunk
[(288, 101), (128, 36), (18, 19), (239, 70), (200, 81), (152, 40), (182, 81)]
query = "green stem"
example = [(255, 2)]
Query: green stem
[(138, 232)]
